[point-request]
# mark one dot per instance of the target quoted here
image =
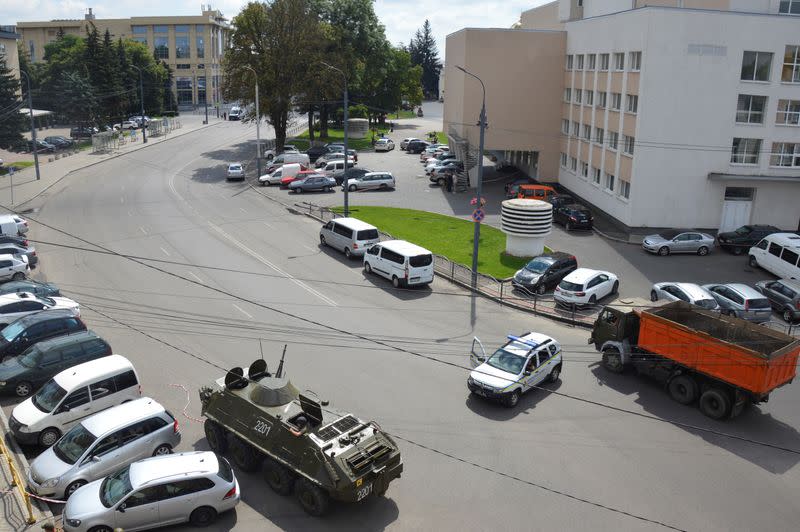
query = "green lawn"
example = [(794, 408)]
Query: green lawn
[(403, 114), (444, 235), (337, 135), (19, 165)]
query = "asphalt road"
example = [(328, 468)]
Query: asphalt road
[(553, 463)]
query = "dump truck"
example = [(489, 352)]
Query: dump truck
[(722, 363)]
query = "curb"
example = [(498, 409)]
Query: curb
[(613, 238)]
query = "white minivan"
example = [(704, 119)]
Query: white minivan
[(778, 253), (73, 395), (350, 235), (403, 263), (287, 170)]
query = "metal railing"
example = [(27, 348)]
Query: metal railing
[(16, 480)]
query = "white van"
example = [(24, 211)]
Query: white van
[(287, 170), (350, 235), (235, 113), (73, 395), (8, 225), (404, 263), (778, 253), (284, 158)]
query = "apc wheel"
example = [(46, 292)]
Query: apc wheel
[(352, 188), (279, 478), (702, 251), (49, 436), (715, 403), (683, 389), (612, 361), (513, 399), (72, 488), (313, 500), (245, 457), (215, 436), (555, 374), (367, 267), (752, 262), (787, 315), (663, 251), (348, 254), (203, 516), (653, 295), (18, 276), (541, 289), (23, 389), (162, 450), (395, 281)]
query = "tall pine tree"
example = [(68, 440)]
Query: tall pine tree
[(425, 53), (12, 122)]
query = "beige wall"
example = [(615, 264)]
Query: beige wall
[(541, 18), (722, 5), (9, 54), (523, 73)]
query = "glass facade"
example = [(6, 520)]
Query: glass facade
[(201, 90), (182, 50), (184, 87), (181, 28), (142, 40), (201, 47), (139, 30), (161, 47), (160, 29)]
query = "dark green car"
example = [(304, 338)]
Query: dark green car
[(26, 373), (29, 285)]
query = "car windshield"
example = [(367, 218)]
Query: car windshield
[(73, 444), (538, 265), (709, 304), (572, 287), (12, 331), (48, 397), (669, 235), (29, 358), (420, 261), (505, 361), (115, 487), (744, 230)]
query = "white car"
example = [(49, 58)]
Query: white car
[(270, 153), (585, 286), (404, 142), (384, 145), (235, 171), (22, 224), (522, 364), (19, 304), (185, 487), (127, 124), (689, 292), (14, 267)]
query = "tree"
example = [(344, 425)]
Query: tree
[(12, 122), (77, 102), (424, 52)]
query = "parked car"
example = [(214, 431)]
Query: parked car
[(270, 153), (235, 171), (689, 292), (537, 192), (512, 188), (384, 145), (191, 487), (333, 157), (784, 296), (235, 113), (277, 175), (585, 286), (403, 263), (314, 182), (350, 235), (83, 132), (573, 216), (101, 444), (29, 252), (22, 224), (438, 160), (559, 200), (288, 158), (544, 272), (16, 240), (302, 174), (440, 168), (41, 146), (18, 304), (371, 181), (779, 254), (59, 141), (38, 288), (315, 152), (405, 141), (13, 267), (740, 240), (416, 146), (350, 173), (679, 241), (16, 338), (140, 120), (742, 301), (126, 124)]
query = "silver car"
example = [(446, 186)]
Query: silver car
[(12, 249), (101, 444), (13, 267), (189, 487), (371, 181), (679, 241), (235, 171), (689, 292), (741, 301)]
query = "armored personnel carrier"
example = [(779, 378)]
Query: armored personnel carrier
[(318, 453)]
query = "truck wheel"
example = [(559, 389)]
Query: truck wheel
[(612, 360), (555, 374), (715, 403), (513, 399), (244, 456), (215, 436), (683, 389), (313, 500), (279, 478)]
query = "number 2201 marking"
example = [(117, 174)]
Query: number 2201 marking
[(262, 427)]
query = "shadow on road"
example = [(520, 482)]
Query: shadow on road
[(497, 411)]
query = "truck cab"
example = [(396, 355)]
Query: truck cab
[(618, 322)]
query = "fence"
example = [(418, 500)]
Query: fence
[(16, 480)]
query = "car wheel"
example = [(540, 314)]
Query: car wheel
[(702, 251), (269, 157), (541, 289), (203, 516), (279, 478), (367, 267), (752, 262), (49, 436), (663, 251), (298, 190), (555, 374), (513, 399), (715, 403), (352, 188), (322, 239), (440, 182), (568, 226), (101, 528), (348, 253), (18, 276), (737, 250), (395, 281), (653, 295), (313, 500), (787, 316), (593, 300), (163, 450), (215, 436), (23, 389), (615, 288), (327, 189), (72, 488)]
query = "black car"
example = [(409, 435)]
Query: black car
[(37, 288), (417, 146), (544, 271), (28, 330), (573, 216), (41, 146), (59, 141), (559, 200), (82, 132), (742, 239), (315, 152), (350, 173)]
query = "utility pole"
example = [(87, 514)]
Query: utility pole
[(33, 126), (346, 162), (141, 98), (258, 125)]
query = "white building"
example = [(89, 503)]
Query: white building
[(671, 112)]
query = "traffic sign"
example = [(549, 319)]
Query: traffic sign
[(477, 215)]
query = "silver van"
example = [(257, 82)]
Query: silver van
[(73, 395), (102, 444), (284, 158), (350, 235), (403, 263)]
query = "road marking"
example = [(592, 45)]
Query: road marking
[(267, 263), (196, 277), (122, 199), (166, 252), (310, 248), (240, 309), (142, 230), (265, 223), (242, 209)]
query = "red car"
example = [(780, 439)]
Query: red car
[(300, 175)]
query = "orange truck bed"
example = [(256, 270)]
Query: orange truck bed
[(749, 356)]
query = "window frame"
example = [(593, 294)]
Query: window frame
[(793, 64), (599, 135), (747, 109), (776, 156), (564, 126), (613, 140), (628, 144), (624, 189), (792, 7), (596, 175), (563, 160), (609, 181), (602, 100), (635, 61), (743, 157), (619, 61), (616, 101), (591, 61), (632, 103), (579, 62), (570, 62), (604, 62), (755, 78), (785, 109)]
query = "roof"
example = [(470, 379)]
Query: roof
[(747, 291), (9, 256), (82, 373), (172, 465), (694, 290), (404, 248), (522, 349), (785, 239), (581, 275), (354, 223), (45, 315), (121, 415)]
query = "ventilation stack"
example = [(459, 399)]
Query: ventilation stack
[(526, 223)]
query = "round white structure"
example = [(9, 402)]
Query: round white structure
[(526, 223)]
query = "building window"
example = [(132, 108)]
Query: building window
[(624, 189), (788, 112), (160, 29), (182, 50), (201, 90), (139, 30), (587, 132), (598, 135), (161, 47), (199, 28), (616, 101), (591, 61), (573, 164), (595, 175), (579, 62), (604, 61), (565, 127), (563, 160), (745, 151), (184, 87), (589, 97), (750, 109), (567, 95), (791, 65), (635, 60), (201, 66), (619, 61), (613, 140), (632, 103), (601, 99), (570, 61), (739, 193), (789, 7), (584, 169), (183, 66), (578, 95), (610, 182), (201, 46), (756, 66), (181, 28), (142, 40), (574, 129), (785, 154), (628, 143)]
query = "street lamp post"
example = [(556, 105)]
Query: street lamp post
[(479, 185), (346, 191), (141, 98), (258, 124), (33, 125)]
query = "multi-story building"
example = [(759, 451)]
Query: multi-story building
[(192, 46), (8, 48), (660, 113)]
